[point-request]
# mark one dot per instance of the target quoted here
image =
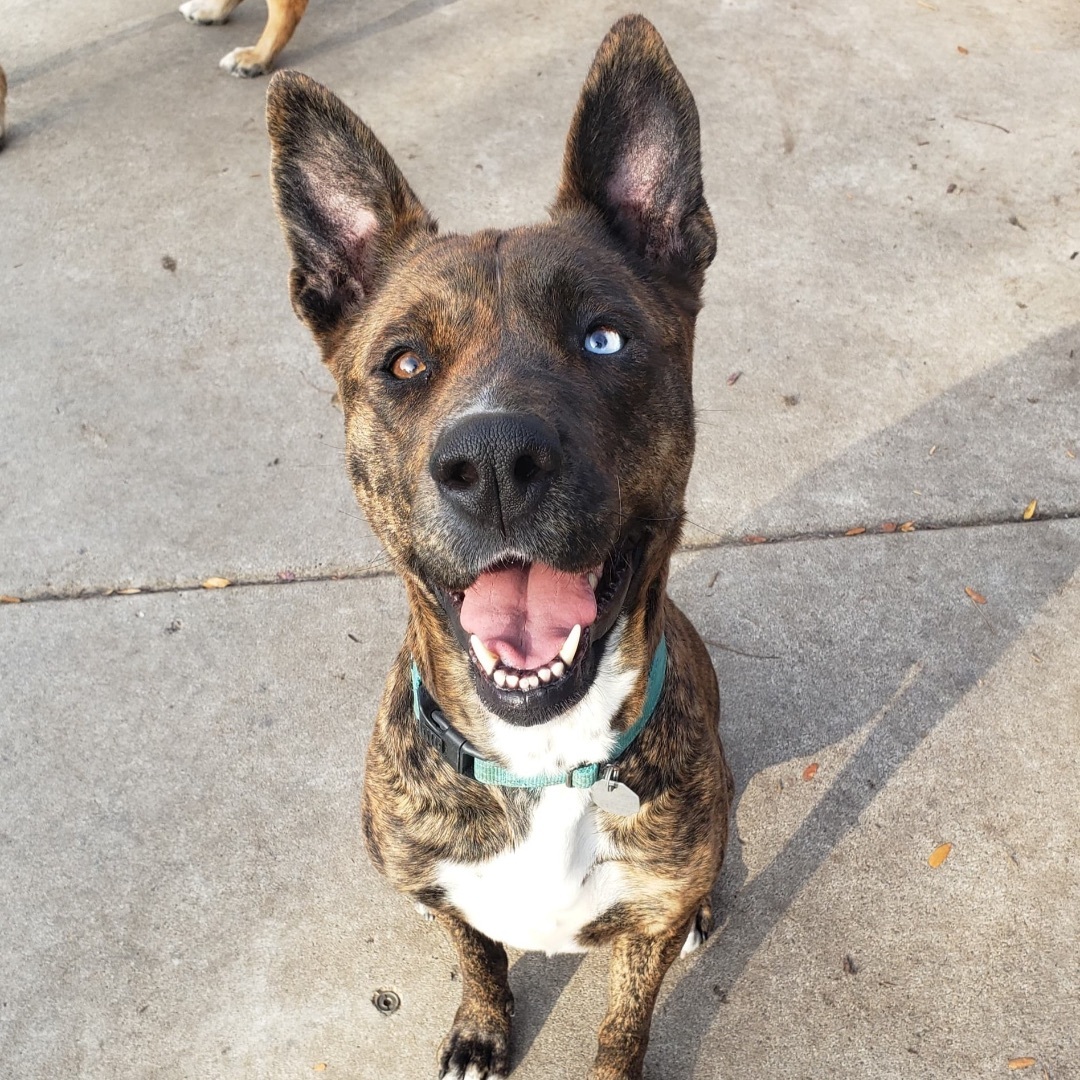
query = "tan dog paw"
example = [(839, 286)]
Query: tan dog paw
[(207, 12), (244, 63)]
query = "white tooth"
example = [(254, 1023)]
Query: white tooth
[(557, 669), (499, 677), (512, 681), (593, 579), (534, 682), (569, 649), (487, 659), (544, 673)]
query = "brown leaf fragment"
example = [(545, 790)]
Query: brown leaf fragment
[(888, 526), (216, 583), (939, 855), (753, 538), (1021, 1063), (857, 531), (127, 592), (319, 1066), (1029, 510), (908, 526), (961, 50), (733, 378), (10, 599), (810, 771), (977, 598)]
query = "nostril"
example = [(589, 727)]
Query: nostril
[(459, 475), (525, 469)]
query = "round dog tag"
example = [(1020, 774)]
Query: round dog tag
[(615, 798)]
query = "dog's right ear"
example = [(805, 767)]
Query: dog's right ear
[(343, 203)]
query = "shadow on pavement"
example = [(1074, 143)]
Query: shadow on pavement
[(869, 631)]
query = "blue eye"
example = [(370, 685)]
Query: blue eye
[(603, 341)]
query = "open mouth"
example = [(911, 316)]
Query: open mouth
[(536, 634)]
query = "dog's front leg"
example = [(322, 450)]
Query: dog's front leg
[(639, 963), (478, 1045)]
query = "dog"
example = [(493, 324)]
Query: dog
[(282, 19), (545, 770)]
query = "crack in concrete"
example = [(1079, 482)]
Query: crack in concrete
[(372, 571)]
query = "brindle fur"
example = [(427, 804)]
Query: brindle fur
[(496, 314)]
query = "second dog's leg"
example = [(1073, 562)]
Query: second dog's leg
[(638, 966), (479, 1042), (280, 24), (208, 12)]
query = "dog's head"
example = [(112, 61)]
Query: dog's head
[(518, 406)]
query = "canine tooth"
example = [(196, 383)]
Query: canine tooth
[(544, 673), (487, 659), (512, 681), (499, 677), (569, 649), (593, 579), (557, 669)]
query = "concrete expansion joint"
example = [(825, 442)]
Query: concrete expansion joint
[(284, 578)]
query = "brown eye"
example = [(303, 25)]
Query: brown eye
[(407, 365)]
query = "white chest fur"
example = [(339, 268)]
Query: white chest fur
[(539, 894)]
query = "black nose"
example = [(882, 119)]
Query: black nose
[(496, 467)]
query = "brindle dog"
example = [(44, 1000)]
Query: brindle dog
[(520, 428)]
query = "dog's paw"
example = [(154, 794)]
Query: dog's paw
[(475, 1052), (699, 932), (205, 12), (243, 63)]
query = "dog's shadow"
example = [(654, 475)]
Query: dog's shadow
[(815, 642)]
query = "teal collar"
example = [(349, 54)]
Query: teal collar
[(437, 731)]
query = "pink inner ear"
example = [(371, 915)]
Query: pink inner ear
[(637, 179), (351, 222)]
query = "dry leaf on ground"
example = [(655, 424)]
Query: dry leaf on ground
[(961, 50), (810, 771), (978, 598), (733, 378), (857, 531), (319, 1066), (216, 583), (939, 855), (888, 526), (908, 526), (1021, 1063), (755, 539), (10, 599), (1029, 510), (127, 592)]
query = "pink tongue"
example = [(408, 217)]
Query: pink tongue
[(523, 614)]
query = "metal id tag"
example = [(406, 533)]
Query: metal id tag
[(615, 798)]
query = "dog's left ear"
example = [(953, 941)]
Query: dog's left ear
[(344, 205), (634, 154)]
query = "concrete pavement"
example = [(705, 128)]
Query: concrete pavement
[(181, 877)]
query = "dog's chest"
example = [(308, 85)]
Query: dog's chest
[(541, 893)]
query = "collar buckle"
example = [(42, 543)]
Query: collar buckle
[(438, 732)]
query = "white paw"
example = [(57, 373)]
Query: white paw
[(471, 1073), (205, 12), (693, 941), (240, 63), (423, 909)]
